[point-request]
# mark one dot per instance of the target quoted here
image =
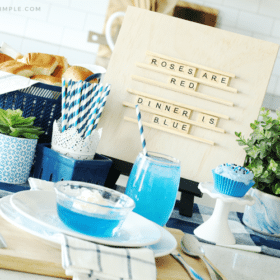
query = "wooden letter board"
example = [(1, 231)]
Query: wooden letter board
[(196, 85)]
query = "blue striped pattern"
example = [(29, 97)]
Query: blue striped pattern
[(66, 104), (143, 141), (82, 106), (95, 119), (92, 111), (125, 263), (63, 107), (75, 107)]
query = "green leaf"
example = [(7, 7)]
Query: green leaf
[(30, 136), (265, 149), (14, 124), (267, 177), (277, 188), (253, 151), (257, 167), (257, 171), (4, 130), (20, 131), (4, 117), (238, 134), (273, 166), (268, 134)]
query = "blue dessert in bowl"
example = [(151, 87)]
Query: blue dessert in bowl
[(91, 209)]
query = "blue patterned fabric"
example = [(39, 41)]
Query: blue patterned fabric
[(244, 235)]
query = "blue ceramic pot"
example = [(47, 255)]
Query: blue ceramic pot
[(263, 216), (16, 158)]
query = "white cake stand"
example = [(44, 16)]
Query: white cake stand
[(216, 228)]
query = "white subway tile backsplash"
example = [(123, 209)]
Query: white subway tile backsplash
[(227, 16), (267, 38), (277, 88), (57, 2), (76, 56), (270, 8), (30, 45), (272, 84), (67, 17), (244, 5), (211, 2), (91, 6), (78, 40), (255, 23), (12, 24), (276, 29), (43, 31), (276, 68), (236, 30), (94, 23), (32, 9), (12, 40)]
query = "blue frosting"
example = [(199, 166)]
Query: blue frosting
[(235, 172)]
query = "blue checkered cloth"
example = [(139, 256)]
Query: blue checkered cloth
[(243, 235)]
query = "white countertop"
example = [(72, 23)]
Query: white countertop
[(234, 264)]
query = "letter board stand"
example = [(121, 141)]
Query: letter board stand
[(195, 86)]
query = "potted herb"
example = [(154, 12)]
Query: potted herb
[(18, 140), (263, 158)]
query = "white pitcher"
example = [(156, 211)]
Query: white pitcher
[(110, 21)]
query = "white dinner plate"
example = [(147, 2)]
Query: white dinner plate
[(165, 246), (40, 207)]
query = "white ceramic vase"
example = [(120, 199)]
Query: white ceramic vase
[(16, 158), (263, 216)]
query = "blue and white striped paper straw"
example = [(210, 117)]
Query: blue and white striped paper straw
[(138, 114), (87, 100), (74, 93), (66, 105), (90, 109), (94, 112), (82, 93), (63, 105), (74, 105), (94, 121)]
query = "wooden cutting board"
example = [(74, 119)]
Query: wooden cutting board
[(31, 254)]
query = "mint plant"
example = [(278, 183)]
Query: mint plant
[(263, 152), (14, 124)]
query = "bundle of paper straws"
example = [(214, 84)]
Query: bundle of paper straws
[(82, 105)]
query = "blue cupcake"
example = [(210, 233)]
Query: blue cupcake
[(232, 179)]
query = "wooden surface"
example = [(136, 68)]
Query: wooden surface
[(31, 254), (28, 253), (249, 59)]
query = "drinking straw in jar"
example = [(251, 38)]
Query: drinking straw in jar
[(143, 141)]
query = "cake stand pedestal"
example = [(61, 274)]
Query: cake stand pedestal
[(216, 228)]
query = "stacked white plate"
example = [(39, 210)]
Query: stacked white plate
[(35, 212)]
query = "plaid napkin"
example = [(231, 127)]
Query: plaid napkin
[(88, 260), (243, 235)]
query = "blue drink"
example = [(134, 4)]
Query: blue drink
[(89, 225), (153, 185)]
